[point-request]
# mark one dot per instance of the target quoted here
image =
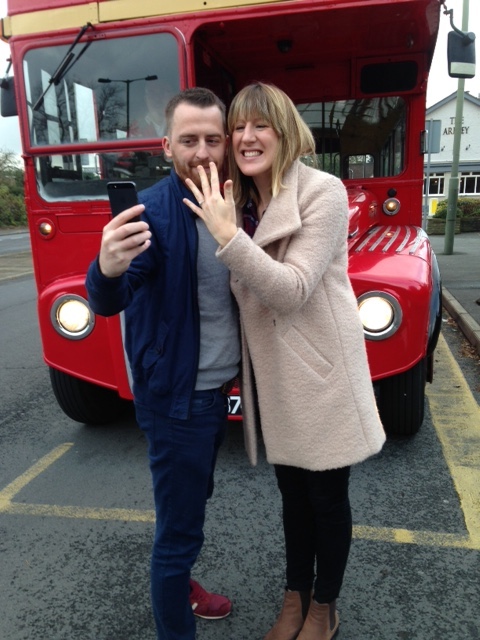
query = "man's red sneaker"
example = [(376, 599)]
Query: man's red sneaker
[(207, 605)]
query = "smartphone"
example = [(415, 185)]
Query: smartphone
[(122, 195)]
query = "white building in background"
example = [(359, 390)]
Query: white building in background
[(469, 162)]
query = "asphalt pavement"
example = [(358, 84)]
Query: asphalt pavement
[(75, 530), (460, 272)]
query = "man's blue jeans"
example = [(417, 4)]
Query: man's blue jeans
[(182, 457)]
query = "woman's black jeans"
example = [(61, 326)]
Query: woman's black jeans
[(317, 522)]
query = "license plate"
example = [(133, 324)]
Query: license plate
[(234, 405)]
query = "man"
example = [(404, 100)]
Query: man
[(151, 123), (183, 346), (157, 96)]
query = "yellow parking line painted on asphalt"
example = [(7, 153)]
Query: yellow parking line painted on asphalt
[(456, 417), (39, 467), (19, 508), (419, 538), (85, 513)]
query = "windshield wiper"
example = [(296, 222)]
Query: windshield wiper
[(65, 65)]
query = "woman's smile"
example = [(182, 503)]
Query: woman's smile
[(255, 144)]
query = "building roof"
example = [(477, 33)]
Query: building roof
[(450, 98)]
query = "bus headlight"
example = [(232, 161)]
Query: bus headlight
[(380, 313), (72, 317)]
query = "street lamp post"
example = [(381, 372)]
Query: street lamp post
[(127, 83), (453, 185)]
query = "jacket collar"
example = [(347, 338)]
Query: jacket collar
[(183, 192)]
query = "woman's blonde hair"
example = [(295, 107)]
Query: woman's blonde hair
[(271, 104)]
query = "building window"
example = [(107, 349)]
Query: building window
[(436, 184), (469, 184)]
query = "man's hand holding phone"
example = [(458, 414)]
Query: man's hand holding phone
[(124, 238)]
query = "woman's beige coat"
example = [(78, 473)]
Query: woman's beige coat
[(301, 331)]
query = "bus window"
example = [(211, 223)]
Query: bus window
[(85, 177), (103, 94), (360, 166), (358, 138)]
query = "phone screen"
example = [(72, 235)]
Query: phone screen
[(122, 195)]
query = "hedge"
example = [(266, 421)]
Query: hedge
[(466, 208)]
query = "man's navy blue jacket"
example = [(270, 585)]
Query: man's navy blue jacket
[(159, 295)]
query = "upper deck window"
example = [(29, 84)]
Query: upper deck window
[(358, 138), (112, 89)]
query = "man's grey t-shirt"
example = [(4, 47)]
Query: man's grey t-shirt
[(219, 325)]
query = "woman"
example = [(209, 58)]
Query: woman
[(305, 370)]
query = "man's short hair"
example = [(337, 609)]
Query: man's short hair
[(197, 97)]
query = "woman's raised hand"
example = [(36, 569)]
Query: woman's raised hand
[(216, 211)]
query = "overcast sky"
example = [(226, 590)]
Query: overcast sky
[(440, 84)]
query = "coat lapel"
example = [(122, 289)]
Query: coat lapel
[(282, 217)]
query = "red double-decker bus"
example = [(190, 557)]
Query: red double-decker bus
[(89, 81)]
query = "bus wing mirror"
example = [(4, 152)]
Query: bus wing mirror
[(8, 103), (461, 54)]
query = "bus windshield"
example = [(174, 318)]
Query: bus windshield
[(103, 94)]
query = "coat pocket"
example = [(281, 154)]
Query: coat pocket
[(307, 352), (155, 365)]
